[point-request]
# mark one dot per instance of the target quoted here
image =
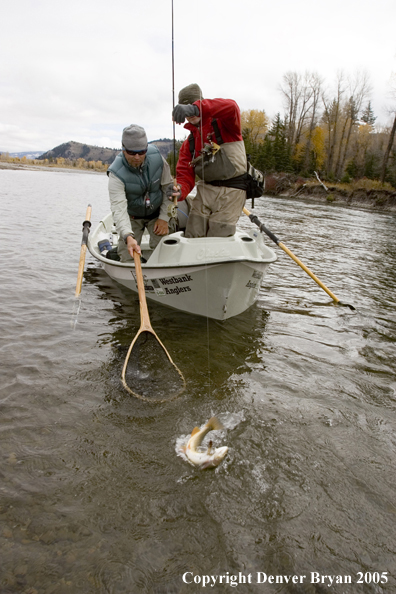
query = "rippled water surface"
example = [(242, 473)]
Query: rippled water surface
[(94, 497)]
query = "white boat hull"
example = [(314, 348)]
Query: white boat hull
[(216, 277)]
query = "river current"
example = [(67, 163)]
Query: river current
[(94, 497)]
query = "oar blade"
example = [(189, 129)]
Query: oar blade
[(347, 305)]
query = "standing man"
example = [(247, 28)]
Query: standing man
[(215, 152), (138, 179)]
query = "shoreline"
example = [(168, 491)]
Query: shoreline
[(27, 167), (382, 201), (362, 194)]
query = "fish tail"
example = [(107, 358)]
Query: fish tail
[(214, 424)]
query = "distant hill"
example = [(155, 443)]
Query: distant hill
[(165, 146), (27, 154), (76, 150)]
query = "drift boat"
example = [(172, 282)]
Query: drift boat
[(215, 277)]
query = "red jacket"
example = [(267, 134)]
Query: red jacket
[(228, 117)]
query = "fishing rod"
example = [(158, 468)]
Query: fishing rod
[(173, 96), (172, 208)]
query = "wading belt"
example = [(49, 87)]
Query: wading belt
[(240, 182)]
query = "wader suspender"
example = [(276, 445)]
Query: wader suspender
[(191, 139), (216, 129)]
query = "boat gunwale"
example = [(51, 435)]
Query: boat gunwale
[(146, 265), (94, 251)]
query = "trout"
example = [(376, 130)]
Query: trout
[(212, 456)]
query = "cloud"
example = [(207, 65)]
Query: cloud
[(84, 71)]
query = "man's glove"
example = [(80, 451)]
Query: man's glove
[(173, 191), (181, 112)]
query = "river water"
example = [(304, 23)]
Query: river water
[(93, 496)]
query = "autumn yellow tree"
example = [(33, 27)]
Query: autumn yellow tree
[(318, 147), (362, 140), (81, 163), (341, 118), (254, 125)]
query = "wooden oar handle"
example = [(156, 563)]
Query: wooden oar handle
[(144, 314), (307, 270)]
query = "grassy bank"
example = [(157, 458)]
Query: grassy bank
[(58, 163), (51, 167)]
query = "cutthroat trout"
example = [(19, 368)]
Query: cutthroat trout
[(212, 456)]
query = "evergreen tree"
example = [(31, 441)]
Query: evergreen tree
[(372, 165), (265, 158), (171, 157), (352, 169), (280, 146), (368, 115)]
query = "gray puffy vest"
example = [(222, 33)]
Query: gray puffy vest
[(141, 182)]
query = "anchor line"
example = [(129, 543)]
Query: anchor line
[(206, 263)]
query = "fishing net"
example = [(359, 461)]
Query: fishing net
[(149, 372)]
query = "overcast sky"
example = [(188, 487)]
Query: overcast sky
[(83, 69)]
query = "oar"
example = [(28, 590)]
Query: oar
[(85, 232), (145, 326), (271, 235)]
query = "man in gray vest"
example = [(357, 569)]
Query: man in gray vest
[(138, 179)]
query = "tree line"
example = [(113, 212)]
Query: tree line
[(62, 162), (332, 133), (329, 132)]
